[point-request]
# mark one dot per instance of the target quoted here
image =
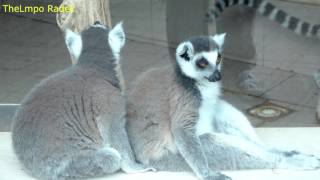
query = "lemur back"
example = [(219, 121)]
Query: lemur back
[(71, 125), (270, 11)]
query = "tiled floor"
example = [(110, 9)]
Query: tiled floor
[(30, 50)]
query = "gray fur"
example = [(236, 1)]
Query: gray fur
[(270, 11), (71, 125), (203, 44), (163, 116)]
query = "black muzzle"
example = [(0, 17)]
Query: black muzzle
[(216, 76)]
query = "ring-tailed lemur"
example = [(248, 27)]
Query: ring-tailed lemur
[(71, 125), (270, 11), (178, 122)]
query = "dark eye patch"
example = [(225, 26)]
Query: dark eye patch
[(202, 63)]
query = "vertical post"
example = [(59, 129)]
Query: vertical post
[(86, 12)]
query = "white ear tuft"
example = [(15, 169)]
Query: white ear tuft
[(74, 44), (219, 39), (117, 38), (185, 51)]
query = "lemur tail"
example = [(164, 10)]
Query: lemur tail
[(270, 11)]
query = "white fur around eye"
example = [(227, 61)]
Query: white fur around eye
[(211, 57), (116, 39), (74, 44)]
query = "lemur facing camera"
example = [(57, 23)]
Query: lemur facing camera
[(178, 122), (72, 124)]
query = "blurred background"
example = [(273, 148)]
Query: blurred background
[(268, 70)]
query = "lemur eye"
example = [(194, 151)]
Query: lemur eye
[(202, 63), (219, 58)]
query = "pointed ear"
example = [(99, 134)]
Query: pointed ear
[(184, 51), (219, 39), (117, 38), (74, 45)]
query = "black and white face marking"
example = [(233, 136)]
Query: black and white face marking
[(200, 58), (96, 33)]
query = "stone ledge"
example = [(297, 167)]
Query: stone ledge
[(302, 138)]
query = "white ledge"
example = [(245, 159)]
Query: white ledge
[(304, 139)]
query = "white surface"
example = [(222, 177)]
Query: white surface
[(305, 139)]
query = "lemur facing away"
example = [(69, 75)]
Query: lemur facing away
[(178, 122), (71, 125), (270, 11)]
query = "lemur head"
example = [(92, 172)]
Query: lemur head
[(199, 58), (98, 38)]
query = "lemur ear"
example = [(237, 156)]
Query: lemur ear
[(219, 39), (117, 38), (74, 44), (184, 51)]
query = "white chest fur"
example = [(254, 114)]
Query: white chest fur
[(210, 93)]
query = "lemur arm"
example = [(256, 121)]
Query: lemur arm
[(120, 141), (188, 144)]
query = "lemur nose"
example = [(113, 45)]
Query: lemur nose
[(216, 76), (97, 23)]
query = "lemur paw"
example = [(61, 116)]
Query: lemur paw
[(136, 168), (301, 161)]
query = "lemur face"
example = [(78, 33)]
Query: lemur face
[(96, 36), (200, 58)]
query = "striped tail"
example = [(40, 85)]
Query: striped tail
[(270, 11)]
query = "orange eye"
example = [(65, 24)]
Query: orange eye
[(202, 63)]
